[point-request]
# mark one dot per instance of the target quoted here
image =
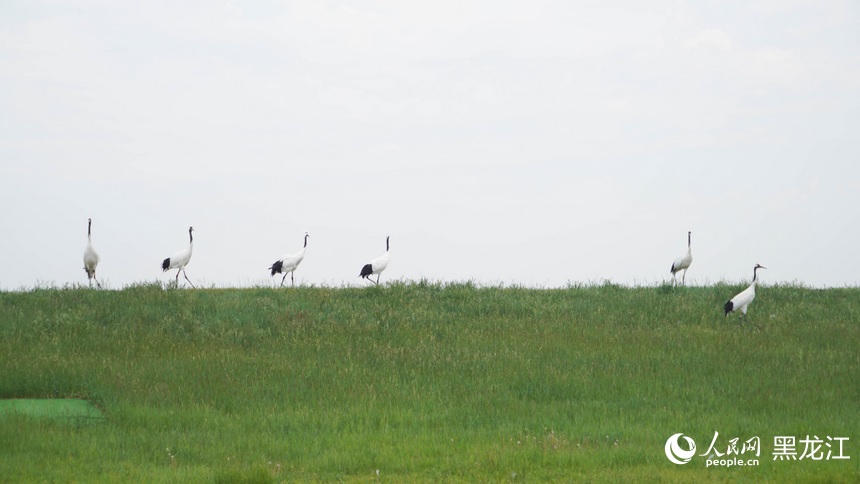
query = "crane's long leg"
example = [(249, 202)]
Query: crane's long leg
[(684, 279), (186, 278), (293, 277), (283, 279), (747, 319), (377, 278), (97, 281)]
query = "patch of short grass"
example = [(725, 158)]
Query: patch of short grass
[(51, 408)]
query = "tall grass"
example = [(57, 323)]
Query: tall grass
[(424, 381)]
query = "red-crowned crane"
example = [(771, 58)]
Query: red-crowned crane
[(91, 257), (289, 263), (683, 262), (376, 266), (744, 298), (180, 259)]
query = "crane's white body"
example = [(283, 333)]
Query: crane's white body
[(91, 257), (379, 264), (180, 259), (376, 266), (742, 301), (683, 262), (744, 298), (288, 263)]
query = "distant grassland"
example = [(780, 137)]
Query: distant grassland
[(422, 381)]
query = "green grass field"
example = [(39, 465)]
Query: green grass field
[(422, 381)]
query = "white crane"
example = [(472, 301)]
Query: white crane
[(744, 298), (91, 257), (180, 259), (683, 262), (289, 263), (376, 266)]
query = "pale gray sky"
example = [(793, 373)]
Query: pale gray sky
[(531, 143)]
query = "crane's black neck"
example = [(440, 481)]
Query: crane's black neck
[(190, 236), (306, 240), (689, 234), (386, 244), (755, 273), (89, 227)]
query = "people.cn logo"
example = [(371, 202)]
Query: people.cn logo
[(674, 451)]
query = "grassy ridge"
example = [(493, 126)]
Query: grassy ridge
[(425, 381)]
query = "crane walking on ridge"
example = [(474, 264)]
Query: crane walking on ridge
[(180, 259), (91, 257), (376, 266), (744, 298), (289, 263), (683, 263)]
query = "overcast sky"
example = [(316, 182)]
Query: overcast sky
[(535, 143)]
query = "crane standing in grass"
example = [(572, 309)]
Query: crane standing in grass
[(744, 298), (180, 259), (683, 262), (91, 257), (289, 263), (376, 266)]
